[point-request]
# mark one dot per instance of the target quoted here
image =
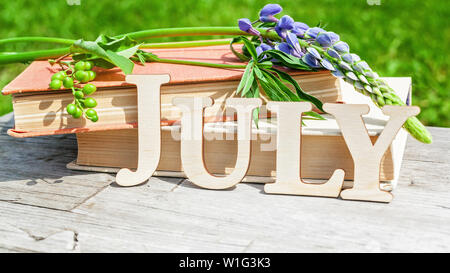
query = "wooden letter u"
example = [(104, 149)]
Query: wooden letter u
[(192, 140)]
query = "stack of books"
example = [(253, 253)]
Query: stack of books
[(112, 142)]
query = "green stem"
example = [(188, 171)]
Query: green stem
[(186, 44), (172, 61), (33, 55), (195, 31), (37, 39), (14, 57), (152, 33), (145, 34)]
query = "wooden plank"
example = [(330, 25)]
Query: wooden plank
[(33, 172), (172, 214)]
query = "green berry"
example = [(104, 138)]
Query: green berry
[(82, 76), (91, 113), (79, 66), (55, 84), (92, 75), (89, 89), (94, 118), (59, 76), (71, 109), (78, 113), (88, 65), (90, 102), (68, 82), (78, 94)]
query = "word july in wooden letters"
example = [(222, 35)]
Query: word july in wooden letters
[(366, 156)]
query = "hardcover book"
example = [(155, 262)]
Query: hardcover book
[(41, 111), (323, 148)]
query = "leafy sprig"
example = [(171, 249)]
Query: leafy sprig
[(260, 72)]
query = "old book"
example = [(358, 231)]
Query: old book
[(40, 111), (323, 147)]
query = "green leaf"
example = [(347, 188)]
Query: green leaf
[(120, 61), (248, 83), (128, 52), (254, 93), (94, 48), (140, 56), (248, 70), (302, 95), (250, 48), (241, 57), (115, 44), (287, 60), (265, 64), (267, 24), (258, 72), (273, 89), (286, 92), (314, 115)]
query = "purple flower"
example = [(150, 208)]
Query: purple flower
[(333, 53), (326, 39), (286, 23), (351, 58), (363, 79), (268, 11), (338, 73), (327, 64), (358, 85), (351, 75), (341, 47), (345, 66), (246, 26), (313, 32), (299, 28), (314, 52), (361, 67), (371, 74), (284, 47), (262, 47), (310, 60), (292, 40)]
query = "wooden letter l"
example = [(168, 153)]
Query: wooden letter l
[(289, 118)]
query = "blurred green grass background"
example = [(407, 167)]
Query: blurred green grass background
[(397, 37)]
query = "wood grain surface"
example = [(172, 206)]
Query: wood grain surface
[(45, 207)]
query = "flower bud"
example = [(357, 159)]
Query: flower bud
[(299, 28), (327, 64), (363, 79), (246, 26), (350, 58), (345, 66), (338, 73), (368, 88), (310, 60), (268, 11), (314, 52), (313, 32), (262, 47), (376, 91), (326, 39), (341, 47), (333, 53), (351, 75)]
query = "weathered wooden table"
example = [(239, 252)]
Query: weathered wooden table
[(45, 207)]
